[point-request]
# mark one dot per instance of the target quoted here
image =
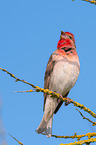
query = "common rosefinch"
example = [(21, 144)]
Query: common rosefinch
[(61, 74)]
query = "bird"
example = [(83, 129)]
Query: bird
[(61, 75)]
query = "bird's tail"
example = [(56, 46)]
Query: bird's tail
[(46, 123), (45, 127)]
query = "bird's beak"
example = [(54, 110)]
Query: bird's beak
[(63, 35)]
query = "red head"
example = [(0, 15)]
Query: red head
[(66, 41)]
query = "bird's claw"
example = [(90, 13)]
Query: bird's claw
[(68, 101), (59, 100)]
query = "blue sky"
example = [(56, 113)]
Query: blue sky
[(29, 32)]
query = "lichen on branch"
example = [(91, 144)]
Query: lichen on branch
[(88, 141)]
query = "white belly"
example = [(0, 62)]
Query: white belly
[(64, 77)]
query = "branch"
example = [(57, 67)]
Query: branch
[(89, 135), (88, 141), (90, 1), (53, 94)]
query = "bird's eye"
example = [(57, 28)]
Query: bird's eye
[(70, 37)]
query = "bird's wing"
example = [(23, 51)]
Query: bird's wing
[(61, 102), (48, 73)]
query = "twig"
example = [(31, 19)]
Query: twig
[(24, 91), (93, 123), (16, 139)]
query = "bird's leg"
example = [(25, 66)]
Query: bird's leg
[(60, 98), (68, 101)]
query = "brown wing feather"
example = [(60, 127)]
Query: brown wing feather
[(47, 77), (61, 102)]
